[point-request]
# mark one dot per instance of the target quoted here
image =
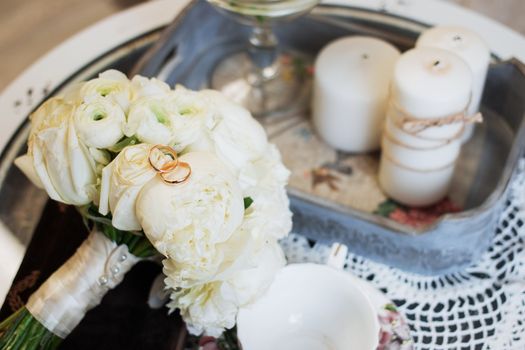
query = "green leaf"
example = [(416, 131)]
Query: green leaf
[(228, 340), (391, 307), (123, 143), (260, 19), (247, 202), (386, 208), (137, 242)]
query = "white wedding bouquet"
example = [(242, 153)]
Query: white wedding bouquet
[(187, 175)]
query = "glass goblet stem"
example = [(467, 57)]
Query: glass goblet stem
[(263, 52)]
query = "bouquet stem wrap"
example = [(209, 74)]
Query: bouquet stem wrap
[(79, 285), (58, 306)]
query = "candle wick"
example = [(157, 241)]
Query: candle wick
[(457, 38), (437, 63), (365, 56)]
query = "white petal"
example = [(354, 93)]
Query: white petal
[(100, 122), (189, 222), (25, 164), (81, 166), (124, 217), (113, 74), (40, 168), (50, 160), (103, 205)]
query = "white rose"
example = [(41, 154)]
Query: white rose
[(236, 137), (212, 307), (176, 119), (121, 182), (187, 221), (99, 122), (62, 164), (111, 84), (264, 180), (144, 87)]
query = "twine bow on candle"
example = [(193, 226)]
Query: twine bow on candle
[(413, 125), (417, 125)]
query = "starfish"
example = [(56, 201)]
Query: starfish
[(323, 176)]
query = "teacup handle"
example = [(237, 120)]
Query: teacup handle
[(337, 257)]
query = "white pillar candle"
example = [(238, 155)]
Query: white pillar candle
[(417, 163), (427, 159), (414, 187), (431, 83), (467, 45), (430, 137), (351, 91), (471, 48)]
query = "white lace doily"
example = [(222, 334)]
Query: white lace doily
[(481, 307)]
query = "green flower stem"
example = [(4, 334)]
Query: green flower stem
[(138, 244), (22, 331)]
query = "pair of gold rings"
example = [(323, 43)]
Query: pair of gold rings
[(172, 171)]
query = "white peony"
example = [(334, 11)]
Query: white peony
[(208, 308), (60, 161), (264, 180), (212, 307), (259, 271), (176, 119), (121, 183), (235, 136), (250, 258), (186, 222), (99, 122)]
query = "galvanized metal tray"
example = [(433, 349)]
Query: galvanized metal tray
[(340, 202)]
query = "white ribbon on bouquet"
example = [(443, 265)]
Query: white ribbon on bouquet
[(80, 284)]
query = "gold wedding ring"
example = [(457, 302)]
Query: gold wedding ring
[(167, 176), (168, 170), (168, 166)]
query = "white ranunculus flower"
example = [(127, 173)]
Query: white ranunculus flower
[(236, 137), (186, 222), (144, 87), (176, 119), (99, 122), (264, 180), (111, 83), (60, 161), (150, 121), (193, 114), (121, 183), (212, 307)]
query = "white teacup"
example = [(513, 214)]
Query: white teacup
[(310, 307)]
